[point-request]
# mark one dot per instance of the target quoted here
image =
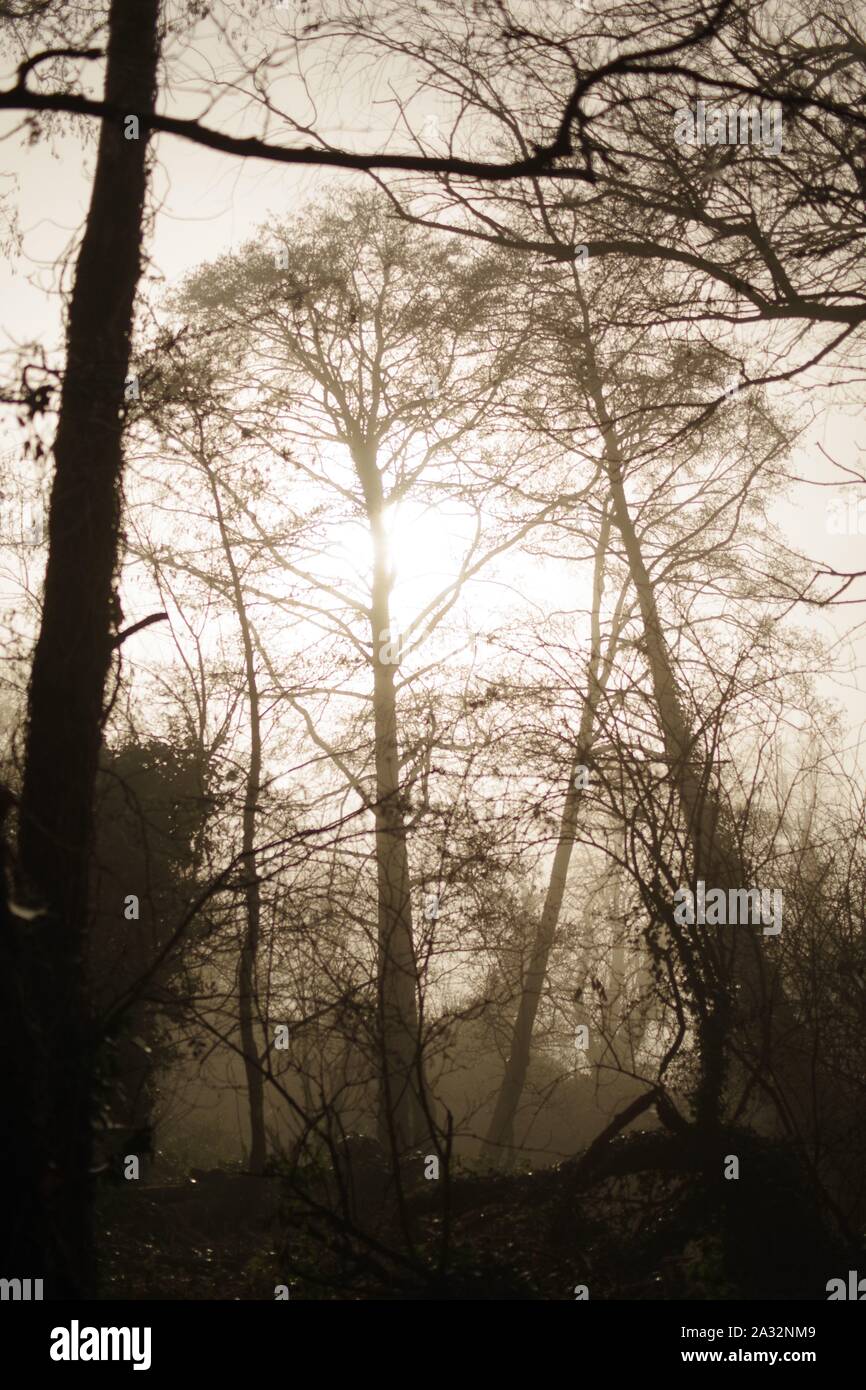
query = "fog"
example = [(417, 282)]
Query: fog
[(431, 583)]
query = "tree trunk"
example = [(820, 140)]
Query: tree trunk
[(499, 1141), (48, 1003), (247, 992), (402, 1119), (710, 957), (741, 1003)]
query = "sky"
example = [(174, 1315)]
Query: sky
[(208, 203)]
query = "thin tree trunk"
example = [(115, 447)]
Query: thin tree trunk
[(247, 993), (713, 862), (48, 999), (602, 1048), (499, 1141), (402, 1105), (737, 1002)]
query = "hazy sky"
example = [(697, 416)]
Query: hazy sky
[(206, 203)]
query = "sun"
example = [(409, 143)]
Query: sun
[(426, 543), (426, 546)]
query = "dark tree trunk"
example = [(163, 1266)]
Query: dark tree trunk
[(47, 1013)]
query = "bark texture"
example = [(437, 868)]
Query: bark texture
[(46, 1002)]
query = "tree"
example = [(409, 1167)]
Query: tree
[(370, 331), (45, 1010), (756, 235), (737, 227), (554, 159), (598, 672)]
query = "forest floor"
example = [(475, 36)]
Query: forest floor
[(531, 1236), (169, 1242), (152, 1247)]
